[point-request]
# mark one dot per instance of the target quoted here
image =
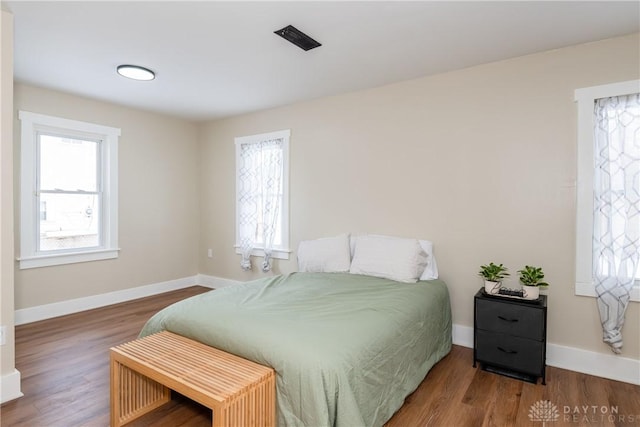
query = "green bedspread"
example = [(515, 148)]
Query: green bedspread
[(347, 349)]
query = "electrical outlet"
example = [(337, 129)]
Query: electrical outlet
[(210, 253), (3, 335)]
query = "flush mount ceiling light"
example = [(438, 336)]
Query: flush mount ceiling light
[(297, 37), (136, 72)]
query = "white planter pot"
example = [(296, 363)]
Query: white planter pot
[(492, 287), (531, 292)]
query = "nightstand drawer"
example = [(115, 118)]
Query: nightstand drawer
[(513, 319), (520, 354)]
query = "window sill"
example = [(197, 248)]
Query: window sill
[(275, 253), (589, 290), (67, 258)]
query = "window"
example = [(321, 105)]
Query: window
[(262, 194), (69, 199), (586, 220)]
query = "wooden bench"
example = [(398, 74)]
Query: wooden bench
[(144, 371)]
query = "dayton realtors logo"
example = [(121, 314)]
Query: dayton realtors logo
[(597, 414), (545, 411)]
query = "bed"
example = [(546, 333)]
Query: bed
[(347, 348)]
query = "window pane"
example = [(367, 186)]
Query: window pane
[(68, 164), (68, 221)]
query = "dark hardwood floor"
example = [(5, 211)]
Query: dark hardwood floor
[(64, 364)]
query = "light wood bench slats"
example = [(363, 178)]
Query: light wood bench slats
[(239, 392)]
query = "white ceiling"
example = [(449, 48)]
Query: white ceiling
[(217, 59)]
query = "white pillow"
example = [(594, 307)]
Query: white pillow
[(431, 270), (326, 255), (402, 260)]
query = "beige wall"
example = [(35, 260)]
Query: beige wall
[(481, 161), (7, 353), (158, 202)]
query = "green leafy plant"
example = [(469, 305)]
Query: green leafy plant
[(532, 276), (493, 272)]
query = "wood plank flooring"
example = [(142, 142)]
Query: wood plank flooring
[(64, 364)]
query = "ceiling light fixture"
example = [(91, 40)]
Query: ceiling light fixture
[(297, 37), (136, 72)]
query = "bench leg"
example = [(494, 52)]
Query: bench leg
[(255, 407), (220, 418), (133, 395)]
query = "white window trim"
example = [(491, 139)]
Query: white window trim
[(586, 98), (283, 251), (32, 123)]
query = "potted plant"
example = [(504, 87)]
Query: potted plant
[(493, 275), (531, 279)]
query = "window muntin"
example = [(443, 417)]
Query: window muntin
[(69, 192)]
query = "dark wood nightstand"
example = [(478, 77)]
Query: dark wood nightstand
[(510, 336)]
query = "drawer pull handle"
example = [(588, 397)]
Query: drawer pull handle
[(507, 351), (507, 320)]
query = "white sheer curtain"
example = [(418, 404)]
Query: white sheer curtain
[(260, 184), (616, 234)]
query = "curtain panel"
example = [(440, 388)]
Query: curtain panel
[(616, 234), (260, 188)]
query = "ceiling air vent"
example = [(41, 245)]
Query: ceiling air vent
[(297, 37)]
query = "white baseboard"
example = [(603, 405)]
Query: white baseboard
[(48, 311), (462, 335), (10, 386), (599, 364), (215, 282), (574, 359)]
